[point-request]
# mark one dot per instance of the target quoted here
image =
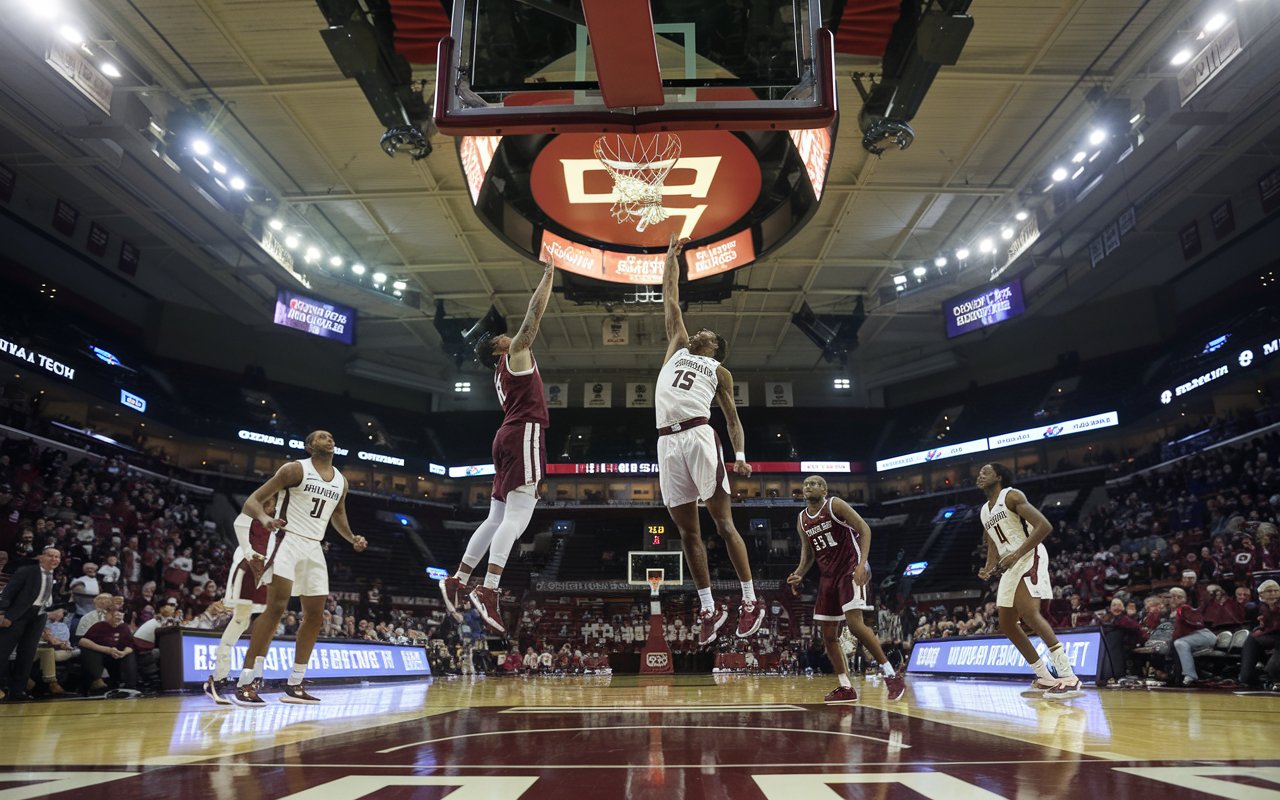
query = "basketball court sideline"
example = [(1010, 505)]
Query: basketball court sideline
[(649, 736)]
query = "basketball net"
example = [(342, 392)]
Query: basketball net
[(638, 167), (655, 658)]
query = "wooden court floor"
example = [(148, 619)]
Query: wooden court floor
[(628, 737)]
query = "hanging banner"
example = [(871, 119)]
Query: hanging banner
[(639, 395), (614, 330), (557, 394), (740, 395), (597, 395), (777, 394)]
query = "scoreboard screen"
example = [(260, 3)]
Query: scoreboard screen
[(655, 535)]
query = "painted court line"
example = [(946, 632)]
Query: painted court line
[(753, 765), (892, 745), (648, 709)]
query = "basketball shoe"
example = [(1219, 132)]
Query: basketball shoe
[(247, 696), (1066, 689), (841, 695), (486, 602), (294, 693), (1039, 686), (709, 621), (217, 691), (895, 686), (452, 590), (750, 615)]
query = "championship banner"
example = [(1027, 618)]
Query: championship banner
[(557, 394), (741, 397), (613, 330), (995, 656), (639, 395), (597, 395), (777, 394)]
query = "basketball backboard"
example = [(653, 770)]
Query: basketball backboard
[(526, 67), (640, 562)]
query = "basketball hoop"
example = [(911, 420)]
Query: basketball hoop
[(654, 579), (638, 166)]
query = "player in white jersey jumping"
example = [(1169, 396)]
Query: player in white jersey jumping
[(1015, 532), (312, 493), (690, 462)]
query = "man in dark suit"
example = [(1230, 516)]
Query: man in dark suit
[(22, 617)]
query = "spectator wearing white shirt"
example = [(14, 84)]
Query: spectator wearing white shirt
[(183, 561), (109, 575), (101, 604), (85, 588)]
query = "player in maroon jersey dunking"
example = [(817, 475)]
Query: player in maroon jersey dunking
[(519, 458), (841, 540)]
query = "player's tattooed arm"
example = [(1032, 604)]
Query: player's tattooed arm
[(523, 339)]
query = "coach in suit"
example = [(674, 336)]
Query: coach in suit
[(22, 617)]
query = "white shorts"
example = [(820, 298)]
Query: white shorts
[(690, 466), (301, 560), (1031, 570)]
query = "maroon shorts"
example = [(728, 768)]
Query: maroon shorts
[(519, 457), (838, 595)]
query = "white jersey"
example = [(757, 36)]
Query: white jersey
[(307, 507), (686, 387), (1005, 528)]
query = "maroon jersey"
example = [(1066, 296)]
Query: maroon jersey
[(259, 538), (835, 545), (520, 394)]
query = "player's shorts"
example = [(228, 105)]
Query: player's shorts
[(1032, 570), (301, 560), (690, 466), (519, 457), (838, 595)]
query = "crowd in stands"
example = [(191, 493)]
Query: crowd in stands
[(1167, 563)]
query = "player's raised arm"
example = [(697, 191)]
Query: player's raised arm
[(677, 335), (523, 340), (1041, 527), (724, 398)]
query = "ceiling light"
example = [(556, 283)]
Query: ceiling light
[(336, 261), (1021, 216), (1006, 233), (1059, 175), (109, 69), (962, 254), (1181, 57), (1097, 136), (276, 225), (201, 147), (987, 246), (238, 183), (398, 293), (1215, 22), (71, 34), (1094, 157), (1078, 157), (1077, 173), (379, 277), (1135, 119), (312, 254), (219, 167), (940, 262), (899, 280), (358, 269), (400, 286), (291, 242), (919, 272)]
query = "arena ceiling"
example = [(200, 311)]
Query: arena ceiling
[(1029, 81)]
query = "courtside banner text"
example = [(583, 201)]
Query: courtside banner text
[(969, 312), (980, 656), (330, 659), (316, 317)]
